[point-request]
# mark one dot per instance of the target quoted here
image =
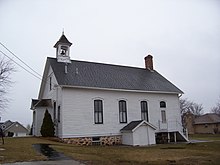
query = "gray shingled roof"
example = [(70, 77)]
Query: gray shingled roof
[(131, 125), (6, 124), (207, 119), (134, 124), (98, 75), (41, 103)]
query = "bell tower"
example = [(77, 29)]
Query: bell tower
[(63, 49)]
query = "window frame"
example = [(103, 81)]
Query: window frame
[(144, 110), (122, 111), (163, 104), (163, 116), (98, 111)]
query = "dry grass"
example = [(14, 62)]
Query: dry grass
[(205, 137), (20, 149), (200, 153)]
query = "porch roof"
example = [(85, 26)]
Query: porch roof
[(41, 103), (135, 124)]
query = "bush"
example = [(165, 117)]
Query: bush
[(47, 128), (10, 134)]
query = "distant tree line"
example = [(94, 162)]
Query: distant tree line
[(187, 106)]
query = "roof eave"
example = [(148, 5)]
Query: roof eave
[(113, 89), (207, 123), (147, 123)]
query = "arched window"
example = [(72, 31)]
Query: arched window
[(98, 112), (122, 111), (163, 112), (162, 104), (144, 111)]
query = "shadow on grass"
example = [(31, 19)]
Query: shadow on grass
[(49, 152)]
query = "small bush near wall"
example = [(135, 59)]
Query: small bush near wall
[(47, 128), (10, 134)]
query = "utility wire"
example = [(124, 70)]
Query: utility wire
[(20, 59), (20, 65), (37, 76)]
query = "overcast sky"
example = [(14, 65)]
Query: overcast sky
[(182, 35)]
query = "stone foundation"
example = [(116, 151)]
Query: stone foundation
[(110, 140), (102, 140), (78, 141)]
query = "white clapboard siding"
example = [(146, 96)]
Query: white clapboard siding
[(78, 110)]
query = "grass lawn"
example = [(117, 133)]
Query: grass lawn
[(205, 136), (20, 149)]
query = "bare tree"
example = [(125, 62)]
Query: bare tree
[(187, 106), (196, 109), (6, 68), (184, 105), (216, 109)]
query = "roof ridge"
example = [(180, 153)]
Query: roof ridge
[(100, 63)]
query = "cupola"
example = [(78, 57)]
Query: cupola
[(63, 49)]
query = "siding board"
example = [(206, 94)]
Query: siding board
[(78, 110)]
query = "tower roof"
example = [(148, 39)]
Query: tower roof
[(63, 40)]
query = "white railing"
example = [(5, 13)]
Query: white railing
[(173, 126), (170, 126)]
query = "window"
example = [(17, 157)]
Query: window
[(163, 116), (122, 111), (98, 112), (50, 83), (54, 111), (3, 126), (162, 104), (144, 111), (95, 140), (58, 114)]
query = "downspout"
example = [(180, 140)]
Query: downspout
[(148, 139), (57, 130)]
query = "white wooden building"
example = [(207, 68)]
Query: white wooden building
[(92, 102)]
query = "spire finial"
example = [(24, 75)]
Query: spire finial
[(63, 32)]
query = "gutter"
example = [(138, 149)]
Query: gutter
[(121, 90)]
